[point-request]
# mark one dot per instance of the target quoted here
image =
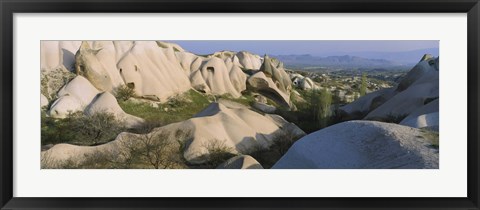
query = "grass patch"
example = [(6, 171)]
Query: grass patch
[(431, 136), (246, 99), (177, 109)]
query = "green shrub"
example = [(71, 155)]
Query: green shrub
[(431, 136), (123, 93), (282, 142), (218, 153), (363, 85), (80, 129)]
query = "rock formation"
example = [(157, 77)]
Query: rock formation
[(241, 162), (58, 54), (73, 97), (153, 72), (226, 124), (79, 95), (304, 83), (373, 145), (106, 102), (415, 90)]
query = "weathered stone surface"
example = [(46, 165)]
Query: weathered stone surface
[(241, 162), (373, 145)]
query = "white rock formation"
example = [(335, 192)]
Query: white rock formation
[(217, 77), (368, 102), (305, 83), (249, 60), (274, 70), (267, 87), (156, 70), (430, 120), (420, 85), (57, 54), (216, 74), (425, 116), (373, 145), (241, 162), (152, 71), (73, 97), (222, 124), (174, 46), (80, 95), (43, 101), (238, 128), (106, 102), (65, 105)]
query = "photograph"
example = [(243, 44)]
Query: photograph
[(239, 104)]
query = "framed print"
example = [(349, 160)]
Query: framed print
[(239, 105)]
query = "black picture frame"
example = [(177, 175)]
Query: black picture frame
[(10, 7)]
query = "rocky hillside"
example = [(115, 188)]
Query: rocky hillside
[(156, 71), (414, 101), (174, 109)]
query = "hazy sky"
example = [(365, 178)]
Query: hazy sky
[(314, 47)]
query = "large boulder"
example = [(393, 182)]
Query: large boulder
[(64, 106), (241, 162), (88, 65), (109, 53), (304, 83), (430, 121), (425, 116), (81, 89), (373, 145)]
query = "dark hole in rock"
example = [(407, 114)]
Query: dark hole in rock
[(131, 85), (210, 69)]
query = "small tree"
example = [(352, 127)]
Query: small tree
[(324, 107), (98, 128), (314, 103), (218, 152), (123, 92), (363, 85), (156, 149)]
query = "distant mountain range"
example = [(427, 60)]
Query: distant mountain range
[(356, 60)]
